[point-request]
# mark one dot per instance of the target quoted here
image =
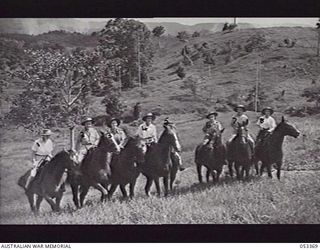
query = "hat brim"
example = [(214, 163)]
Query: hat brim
[(84, 122), (46, 134), (243, 108), (212, 113), (117, 120), (264, 110), (152, 117)]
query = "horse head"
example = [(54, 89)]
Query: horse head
[(170, 137), (108, 142), (287, 129), (137, 148), (242, 132)]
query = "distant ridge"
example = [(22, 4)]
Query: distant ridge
[(33, 26)]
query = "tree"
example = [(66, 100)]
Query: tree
[(183, 36), (157, 32), (312, 94), (318, 46), (262, 98), (59, 89), (196, 34), (127, 44)]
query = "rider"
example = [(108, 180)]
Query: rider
[(118, 133), (240, 118), (211, 126), (175, 157), (41, 153), (266, 123), (88, 138), (147, 131)]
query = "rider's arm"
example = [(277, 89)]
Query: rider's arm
[(154, 134), (124, 139), (273, 125)]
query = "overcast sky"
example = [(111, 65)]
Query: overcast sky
[(263, 22)]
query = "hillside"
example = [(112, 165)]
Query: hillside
[(294, 199), (282, 69)]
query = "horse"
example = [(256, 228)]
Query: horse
[(240, 153), (125, 166), (270, 151), (158, 161), (94, 170), (212, 156), (49, 182)]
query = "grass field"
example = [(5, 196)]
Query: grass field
[(293, 199)]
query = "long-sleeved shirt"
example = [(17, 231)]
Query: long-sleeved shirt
[(267, 123), (42, 148), (87, 139), (212, 125), (236, 120), (119, 136), (147, 133)]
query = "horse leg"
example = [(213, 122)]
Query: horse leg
[(83, 192), (219, 173), (173, 174), (58, 200), (104, 192), (199, 172), (148, 185), (269, 170), (132, 185), (208, 175), (124, 191), (75, 194), (38, 202), (51, 202), (112, 190), (237, 167), (230, 163), (156, 181), (31, 200), (278, 164), (166, 185)]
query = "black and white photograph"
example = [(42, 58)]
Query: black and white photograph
[(157, 121)]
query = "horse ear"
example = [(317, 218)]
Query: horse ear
[(221, 131), (282, 119)]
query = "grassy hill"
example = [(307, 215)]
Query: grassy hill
[(294, 199)]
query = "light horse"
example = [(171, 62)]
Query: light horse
[(270, 151), (158, 161), (212, 156)]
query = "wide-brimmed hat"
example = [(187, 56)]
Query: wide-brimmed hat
[(149, 115), (215, 113), (87, 119), (240, 106), (267, 108), (46, 132), (114, 119)]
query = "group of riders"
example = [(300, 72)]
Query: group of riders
[(89, 136)]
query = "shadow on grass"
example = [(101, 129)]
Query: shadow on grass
[(200, 187)]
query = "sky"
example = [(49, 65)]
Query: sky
[(261, 22)]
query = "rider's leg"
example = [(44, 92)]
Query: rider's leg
[(31, 177)]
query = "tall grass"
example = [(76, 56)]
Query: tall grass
[(294, 199)]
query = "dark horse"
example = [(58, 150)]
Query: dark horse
[(240, 153), (270, 151), (212, 156), (94, 170), (48, 181), (124, 167), (158, 161)]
